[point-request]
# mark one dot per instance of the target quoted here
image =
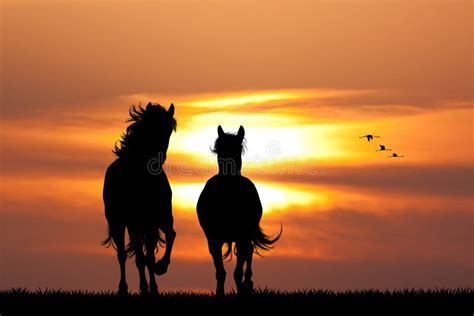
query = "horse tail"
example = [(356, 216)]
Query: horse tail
[(107, 242), (142, 238), (262, 241), (129, 249), (228, 251)]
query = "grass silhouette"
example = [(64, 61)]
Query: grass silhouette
[(429, 301)]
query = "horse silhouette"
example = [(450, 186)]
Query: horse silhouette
[(137, 194), (229, 210)]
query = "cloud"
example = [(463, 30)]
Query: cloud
[(55, 271), (336, 248), (441, 234), (381, 226), (63, 61), (52, 155), (432, 179), (55, 156)]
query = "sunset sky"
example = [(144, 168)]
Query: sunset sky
[(305, 79)]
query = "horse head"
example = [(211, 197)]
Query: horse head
[(148, 134), (229, 148)]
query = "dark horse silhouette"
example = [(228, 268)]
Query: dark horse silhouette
[(137, 194), (229, 210)]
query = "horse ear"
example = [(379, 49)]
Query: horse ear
[(148, 106), (241, 132), (171, 110), (220, 131)]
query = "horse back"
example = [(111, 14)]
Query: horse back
[(132, 194), (229, 206)]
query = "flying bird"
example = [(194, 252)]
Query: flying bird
[(383, 148), (369, 137), (395, 155)]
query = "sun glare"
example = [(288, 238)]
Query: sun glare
[(269, 136), (256, 98), (259, 97), (273, 197)]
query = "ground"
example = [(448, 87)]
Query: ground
[(312, 302)]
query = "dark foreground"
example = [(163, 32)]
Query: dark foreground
[(311, 302)]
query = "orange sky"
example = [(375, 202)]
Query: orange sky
[(305, 79)]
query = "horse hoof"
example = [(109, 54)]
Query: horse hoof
[(246, 288), (122, 292), (219, 294), (123, 289), (161, 267), (153, 290)]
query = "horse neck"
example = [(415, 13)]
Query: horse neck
[(228, 173), (145, 160), (229, 166)]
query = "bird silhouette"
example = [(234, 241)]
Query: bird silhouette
[(383, 148), (395, 155), (369, 137)]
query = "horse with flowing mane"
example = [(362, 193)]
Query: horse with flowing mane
[(229, 210), (137, 195)]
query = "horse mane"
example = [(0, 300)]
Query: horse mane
[(145, 122), (229, 142)]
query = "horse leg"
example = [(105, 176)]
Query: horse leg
[(136, 243), (161, 266), (150, 261), (239, 267), (118, 235), (140, 262), (248, 283), (215, 248)]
